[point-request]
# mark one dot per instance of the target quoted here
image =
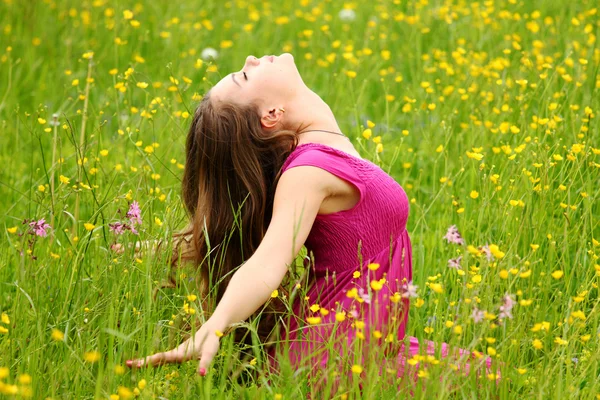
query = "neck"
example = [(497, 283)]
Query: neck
[(317, 116)]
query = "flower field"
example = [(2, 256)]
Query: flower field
[(485, 112)]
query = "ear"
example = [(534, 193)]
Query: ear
[(271, 117)]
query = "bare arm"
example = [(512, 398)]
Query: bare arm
[(298, 197)]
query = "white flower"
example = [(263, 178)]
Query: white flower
[(347, 14), (54, 121), (209, 52)]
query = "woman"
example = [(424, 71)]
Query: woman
[(249, 144)]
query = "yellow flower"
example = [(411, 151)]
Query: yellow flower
[(370, 124), (537, 344), (525, 274), (12, 230), (557, 274), (275, 293), (192, 297), (491, 351), (88, 226), (219, 333), (474, 194), (142, 85), (3, 330), (91, 356), (124, 393), (373, 266), (42, 188), (315, 308), (313, 320), (376, 285), (64, 179), (57, 335), (142, 384), (423, 374), (4, 318), (367, 133), (436, 287), (357, 369), (104, 153), (351, 74)]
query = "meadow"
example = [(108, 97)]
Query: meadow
[(485, 112)]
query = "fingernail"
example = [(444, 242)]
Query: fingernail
[(202, 371)]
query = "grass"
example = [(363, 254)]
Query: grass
[(485, 112)]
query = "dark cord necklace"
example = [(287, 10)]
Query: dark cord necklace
[(321, 130)]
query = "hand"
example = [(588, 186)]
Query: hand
[(203, 346)]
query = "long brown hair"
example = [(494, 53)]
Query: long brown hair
[(231, 171)]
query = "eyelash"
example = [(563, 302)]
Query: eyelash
[(245, 75)]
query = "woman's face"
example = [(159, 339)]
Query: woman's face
[(269, 82)]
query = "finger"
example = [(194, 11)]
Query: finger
[(155, 359), (209, 350)]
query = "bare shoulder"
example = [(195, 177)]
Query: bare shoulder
[(308, 178)]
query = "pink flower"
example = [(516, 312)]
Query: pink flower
[(39, 227), (452, 236), (487, 251), (454, 262), (409, 290), (118, 228), (134, 214), (506, 307), (477, 315), (364, 296)]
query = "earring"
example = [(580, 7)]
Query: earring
[(282, 109)]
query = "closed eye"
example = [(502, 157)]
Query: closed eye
[(245, 75)]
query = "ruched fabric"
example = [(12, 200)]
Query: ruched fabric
[(362, 265)]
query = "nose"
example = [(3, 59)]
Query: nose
[(252, 60)]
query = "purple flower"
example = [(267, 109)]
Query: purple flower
[(506, 307), (409, 290), (452, 236), (454, 262), (39, 227), (134, 214), (477, 315)]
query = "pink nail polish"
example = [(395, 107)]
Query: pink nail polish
[(202, 371)]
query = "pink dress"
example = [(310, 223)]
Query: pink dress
[(372, 301)]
